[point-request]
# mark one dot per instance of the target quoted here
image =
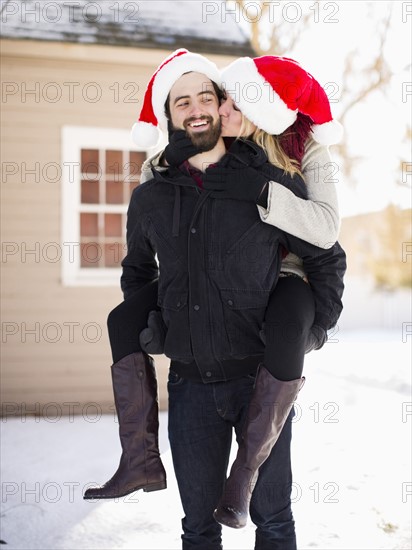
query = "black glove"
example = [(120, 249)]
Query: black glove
[(179, 148), (242, 183), (152, 338), (316, 339)]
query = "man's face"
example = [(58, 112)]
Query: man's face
[(194, 107)]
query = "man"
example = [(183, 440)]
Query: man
[(218, 264)]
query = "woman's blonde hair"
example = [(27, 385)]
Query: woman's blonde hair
[(271, 145)]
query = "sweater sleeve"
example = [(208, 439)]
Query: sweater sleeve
[(315, 220)]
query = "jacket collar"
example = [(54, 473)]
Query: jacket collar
[(174, 176), (244, 151)]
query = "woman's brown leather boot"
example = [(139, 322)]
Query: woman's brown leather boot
[(135, 395), (271, 403)]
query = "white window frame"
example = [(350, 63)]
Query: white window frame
[(74, 139)]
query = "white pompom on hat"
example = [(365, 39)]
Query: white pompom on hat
[(146, 131), (271, 90)]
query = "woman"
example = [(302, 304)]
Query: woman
[(126, 349), (290, 313)]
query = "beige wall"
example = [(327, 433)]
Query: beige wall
[(378, 236), (32, 297)]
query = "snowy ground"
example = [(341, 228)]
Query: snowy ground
[(351, 455)]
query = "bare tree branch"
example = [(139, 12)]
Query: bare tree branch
[(378, 67)]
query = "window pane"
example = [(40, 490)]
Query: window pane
[(135, 165), (90, 192), (102, 233), (88, 225), (113, 254), (90, 161), (114, 164), (90, 254), (137, 158), (114, 192), (113, 225)]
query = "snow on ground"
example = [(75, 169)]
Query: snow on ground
[(351, 456)]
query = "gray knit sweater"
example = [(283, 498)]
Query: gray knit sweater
[(315, 220)]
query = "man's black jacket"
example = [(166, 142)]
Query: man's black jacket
[(217, 265)]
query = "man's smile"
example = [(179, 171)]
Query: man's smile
[(198, 124)]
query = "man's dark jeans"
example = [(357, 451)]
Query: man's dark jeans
[(201, 421)]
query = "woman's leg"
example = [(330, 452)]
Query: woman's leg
[(289, 316), (135, 394), (126, 321)]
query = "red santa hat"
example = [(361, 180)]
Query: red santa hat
[(271, 90), (146, 132)]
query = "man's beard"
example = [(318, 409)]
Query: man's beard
[(204, 141)]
